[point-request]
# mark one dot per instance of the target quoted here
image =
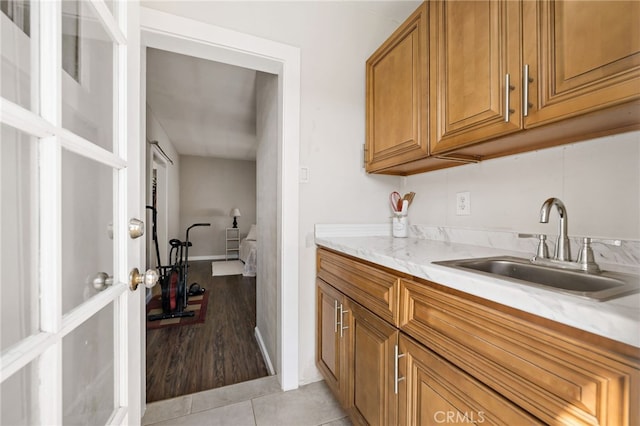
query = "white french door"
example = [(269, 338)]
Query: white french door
[(70, 160)]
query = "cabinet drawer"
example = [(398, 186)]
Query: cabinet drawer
[(374, 289), (435, 392), (553, 376)]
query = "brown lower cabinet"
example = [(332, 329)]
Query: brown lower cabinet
[(372, 345), (452, 358), (355, 352), (331, 353), (435, 392)]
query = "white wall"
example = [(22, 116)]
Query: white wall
[(209, 189), (267, 290), (169, 185), (598, 181)]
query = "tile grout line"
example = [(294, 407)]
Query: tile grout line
[(190, 410), (253, 410)]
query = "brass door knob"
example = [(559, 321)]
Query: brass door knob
[(149, 278)]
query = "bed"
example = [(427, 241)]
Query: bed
[(249, 253)]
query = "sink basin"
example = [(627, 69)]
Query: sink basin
[(600, 286)]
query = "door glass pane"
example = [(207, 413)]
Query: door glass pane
[(18, 52), (19, 397), (87, 80), (111, 4), (88, 371), (19, 304), (87, 218)]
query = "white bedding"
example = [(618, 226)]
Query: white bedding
[(249, 255)]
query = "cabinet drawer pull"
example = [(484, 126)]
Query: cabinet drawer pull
[(396, 379), (525, 91), (507, 89), (335, 316), (342, 327)]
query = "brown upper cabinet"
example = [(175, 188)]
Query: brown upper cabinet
[(475, 59), (504, 77), (397, 100), (586, 57)]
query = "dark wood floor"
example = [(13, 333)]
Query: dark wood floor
[(220, 352)]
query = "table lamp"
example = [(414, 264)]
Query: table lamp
[(236, 214)]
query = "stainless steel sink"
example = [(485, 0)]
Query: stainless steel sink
[(600, 286)]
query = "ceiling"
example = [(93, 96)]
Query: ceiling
[(206, 108)]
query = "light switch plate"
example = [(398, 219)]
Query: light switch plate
[(463, 203), (304, 174)]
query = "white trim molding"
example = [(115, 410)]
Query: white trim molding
[(189, 37), (265, 353)]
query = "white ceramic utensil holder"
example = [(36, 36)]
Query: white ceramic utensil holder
[(400, 226)]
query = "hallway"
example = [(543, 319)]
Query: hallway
[(223, 351)]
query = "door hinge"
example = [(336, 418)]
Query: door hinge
[(364, 155)]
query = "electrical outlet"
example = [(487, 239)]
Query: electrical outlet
[(463, 203)]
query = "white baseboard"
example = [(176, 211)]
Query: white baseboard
[(265, 354), (209, 257)]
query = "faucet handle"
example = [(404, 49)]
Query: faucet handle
[(586, 259), (542, 252), (609, 242), (527, 235)]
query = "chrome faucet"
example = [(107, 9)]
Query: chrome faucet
[(562, 246)]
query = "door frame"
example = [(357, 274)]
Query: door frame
[(173, 33), (162, 224)]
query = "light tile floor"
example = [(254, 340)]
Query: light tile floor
[(255, 403)]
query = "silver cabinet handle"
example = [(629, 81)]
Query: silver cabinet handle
[(507, 89), (335, 316), (342, 327), (396, 379), (525, 91)]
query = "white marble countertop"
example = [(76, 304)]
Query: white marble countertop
[(617, 319)]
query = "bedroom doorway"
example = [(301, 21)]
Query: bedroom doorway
[(216, 346), (163, 31)]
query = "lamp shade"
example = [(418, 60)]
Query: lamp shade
[(235, 212)]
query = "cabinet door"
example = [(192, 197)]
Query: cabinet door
[(474, 46), (542, 368), (582, 56), (435, 392), (330, 349), (373, 400), (397, 96)]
